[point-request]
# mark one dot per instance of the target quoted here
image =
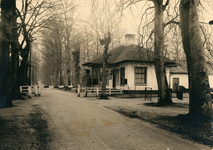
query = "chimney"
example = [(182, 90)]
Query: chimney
[(130, 39)]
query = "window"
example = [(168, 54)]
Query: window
[(122, 76), (140, 75)]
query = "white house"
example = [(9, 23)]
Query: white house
[(131, 67)]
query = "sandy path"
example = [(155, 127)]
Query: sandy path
[(77, 123)]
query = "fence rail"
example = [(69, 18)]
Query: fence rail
[(97, 90)]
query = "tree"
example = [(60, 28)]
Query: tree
[(173, 48), (106, 21), (66, 11), (106, 41), (32, 17), (5, 30), (76, 45), (14, 54), (52, 49), (161, 9), (200, 103), (163, 89), (62, 28)]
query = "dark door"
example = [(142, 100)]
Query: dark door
[(175, 84)]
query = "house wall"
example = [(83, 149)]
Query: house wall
[(130, 76)]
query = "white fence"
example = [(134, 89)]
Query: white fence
[(97, 90), (29, 90)]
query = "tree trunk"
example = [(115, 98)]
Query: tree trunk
[(104, 72), (106, 43), (61, 77), (60, 64), (14, 53), (76, 56), (65, 75), (23, 69), (163, 89), (200, 103), (5, 30)]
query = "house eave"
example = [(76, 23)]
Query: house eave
[(116, 64)]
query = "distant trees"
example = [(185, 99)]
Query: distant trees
[(31, 18), (62, 45), (52, 50), (80, 38), (173, 44), (106, 18)]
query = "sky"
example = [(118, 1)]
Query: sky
[(130, 22), (131, 19)]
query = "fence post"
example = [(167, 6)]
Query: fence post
[(36, 90), (120, 91), (97, 91), (110, 91), (29, 91), (20, 89)]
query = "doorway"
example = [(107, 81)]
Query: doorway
[(115, 77)]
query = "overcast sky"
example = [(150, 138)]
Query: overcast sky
[(131, 20)]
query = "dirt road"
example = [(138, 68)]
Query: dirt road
[(76, 123)]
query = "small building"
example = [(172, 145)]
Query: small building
[(179, 76), (130, 67)]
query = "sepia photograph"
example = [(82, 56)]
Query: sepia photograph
[(106, 75)]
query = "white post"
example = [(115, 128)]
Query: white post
[(97, 91), (120, 91), (110, 91), (20, 89), (29, 91), (79, 90)]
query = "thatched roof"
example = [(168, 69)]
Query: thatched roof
[(131, 53), (181, 68)]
